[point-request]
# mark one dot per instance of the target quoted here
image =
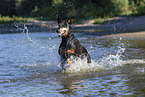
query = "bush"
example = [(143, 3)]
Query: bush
[(86, 10), (121, 7), (141, 8), (80, 8)]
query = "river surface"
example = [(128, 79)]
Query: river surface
[(30, 67)]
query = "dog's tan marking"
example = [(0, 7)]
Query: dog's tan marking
[(66, 33), (72, 51), (70, 21), (69, 61)]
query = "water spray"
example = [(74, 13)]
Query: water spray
[(25, 29)]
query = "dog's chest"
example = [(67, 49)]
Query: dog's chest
[(67, 46)]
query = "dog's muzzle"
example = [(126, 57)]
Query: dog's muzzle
[(61, 31)]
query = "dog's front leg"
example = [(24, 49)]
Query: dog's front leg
[(71, 53), (69, 61)]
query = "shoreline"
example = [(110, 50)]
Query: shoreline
[(128, 35), (131, 27)]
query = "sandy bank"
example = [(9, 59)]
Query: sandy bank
[(128, 35)]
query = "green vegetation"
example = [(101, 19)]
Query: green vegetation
[(48, 9), (7, 19), (106, 20), (99, 21)]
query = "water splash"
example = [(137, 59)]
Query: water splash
[(25, 30), (113, 60), (105, 63), (134, 61)]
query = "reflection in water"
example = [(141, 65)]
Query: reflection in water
[(70, 85), (135, 74)]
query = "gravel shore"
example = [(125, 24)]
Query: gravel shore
[(127, 26)]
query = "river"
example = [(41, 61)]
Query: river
[(30, 67)]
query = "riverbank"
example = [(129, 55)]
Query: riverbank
[(112, 26), (128, 35)]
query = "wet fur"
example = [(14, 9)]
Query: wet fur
[(70, 45)]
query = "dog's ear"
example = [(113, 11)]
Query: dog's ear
[(70, 21), (58, 18)]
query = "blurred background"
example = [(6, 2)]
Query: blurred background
[(79, 8)]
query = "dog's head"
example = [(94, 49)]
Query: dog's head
[(63, 26)]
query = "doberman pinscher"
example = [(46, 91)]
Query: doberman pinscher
[(70, 46)]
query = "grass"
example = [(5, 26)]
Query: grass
[(105, 20), (101, 20), (7, 19)]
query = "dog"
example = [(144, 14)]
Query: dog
[(70, 47)]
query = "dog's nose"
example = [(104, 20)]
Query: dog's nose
[(57, 31)]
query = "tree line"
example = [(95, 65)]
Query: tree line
[(80, 8)]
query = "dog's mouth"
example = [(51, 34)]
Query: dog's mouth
[(61, 31)]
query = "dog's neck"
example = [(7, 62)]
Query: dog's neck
[(70, 36)]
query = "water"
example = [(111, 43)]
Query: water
[(30, 66)]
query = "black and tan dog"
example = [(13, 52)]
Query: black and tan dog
[(70, 46)]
